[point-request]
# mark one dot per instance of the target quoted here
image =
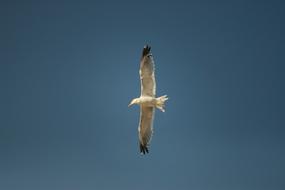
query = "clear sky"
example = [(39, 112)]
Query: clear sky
[(68, 70)]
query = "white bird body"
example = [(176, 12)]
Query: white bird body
[(151, 102), (147, 100)]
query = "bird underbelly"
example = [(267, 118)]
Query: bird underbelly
[(148, 101)]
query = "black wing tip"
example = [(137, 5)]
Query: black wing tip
[(146, 50), (143, 149)]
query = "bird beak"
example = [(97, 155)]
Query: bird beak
[(130, 104)]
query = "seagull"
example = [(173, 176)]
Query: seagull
[(147, 101)]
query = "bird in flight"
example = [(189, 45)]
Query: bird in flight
[(147, 101)]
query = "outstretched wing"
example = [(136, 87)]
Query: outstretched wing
[(148, 86), (145, 127)]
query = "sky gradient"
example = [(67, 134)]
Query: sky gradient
[(68, 71)]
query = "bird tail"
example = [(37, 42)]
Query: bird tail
[(143, 149), (160, 101)]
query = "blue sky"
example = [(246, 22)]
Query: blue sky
[(68, 71)]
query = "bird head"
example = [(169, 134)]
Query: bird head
[(134, 101)]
